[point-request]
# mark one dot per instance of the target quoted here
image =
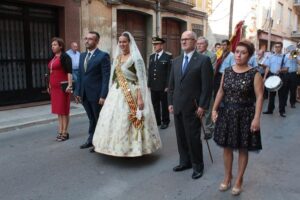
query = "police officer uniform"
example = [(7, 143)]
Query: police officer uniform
[(292, 64), (275, 62), (158, 80)]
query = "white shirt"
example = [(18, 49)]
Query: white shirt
[(92, 52), (189, 55), (159, 54)]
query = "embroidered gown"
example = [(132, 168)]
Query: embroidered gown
[(115, 135)]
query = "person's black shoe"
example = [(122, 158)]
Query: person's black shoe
[(293, 106), (268, 112), (197, 174), (164, 126), (92, 150), (282, 115), (86, 145), (181, 168)]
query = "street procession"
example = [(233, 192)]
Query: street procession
[(149, 99)]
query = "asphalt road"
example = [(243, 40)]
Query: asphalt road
[(33, 166)]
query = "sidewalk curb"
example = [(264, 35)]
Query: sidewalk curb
[(36, 122)]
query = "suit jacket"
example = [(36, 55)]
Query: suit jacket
[(195, 84), (92, 84), (159, 72)]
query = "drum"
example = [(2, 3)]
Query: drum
[(273, 83)]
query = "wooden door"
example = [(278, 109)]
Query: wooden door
[(171, 32), (135, 23)]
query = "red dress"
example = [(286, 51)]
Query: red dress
[(60, 101)]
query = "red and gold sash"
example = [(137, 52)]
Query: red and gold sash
[(137, 123)]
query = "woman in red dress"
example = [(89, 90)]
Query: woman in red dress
[(60, 68)]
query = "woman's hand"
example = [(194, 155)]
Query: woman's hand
[(69, 89), (140, 103), (255, 125), (49, 89), (214, 116)]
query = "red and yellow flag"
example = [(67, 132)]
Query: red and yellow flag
[(237, 35), (234, 40)]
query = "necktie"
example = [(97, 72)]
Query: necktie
[(156, 57), (185, 63), (86, 61)]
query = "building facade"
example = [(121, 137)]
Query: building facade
[(278, 16), (27, 26), (144, 19)]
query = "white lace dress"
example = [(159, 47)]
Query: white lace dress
[(115, 135)]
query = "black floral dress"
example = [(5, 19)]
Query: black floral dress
[(235, 116)]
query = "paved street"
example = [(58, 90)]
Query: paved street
[(35, 167)]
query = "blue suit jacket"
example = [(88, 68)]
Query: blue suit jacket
[(94, 81)]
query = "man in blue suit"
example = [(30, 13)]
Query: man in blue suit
[(92, 82)]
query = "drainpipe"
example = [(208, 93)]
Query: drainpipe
[(158, 18)]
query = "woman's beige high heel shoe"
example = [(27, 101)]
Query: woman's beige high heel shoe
[(224, 187), (236, 191)]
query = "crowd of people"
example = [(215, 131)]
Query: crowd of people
[(127, 102)]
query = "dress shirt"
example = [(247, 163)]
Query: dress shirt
[(228, 62), (274, 62), (189, 55), (253, 61), (74, 57), (159, 54), (291, 63)]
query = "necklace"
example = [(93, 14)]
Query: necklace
[(51, 64)]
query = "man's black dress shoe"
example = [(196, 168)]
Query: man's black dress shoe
[(197, 174), (282, 115), (86, 145), (164, 126), (268, 112), (181, 168), (293, 106)]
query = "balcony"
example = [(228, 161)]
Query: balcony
[(180, 6), (133, 2), (295, 34)]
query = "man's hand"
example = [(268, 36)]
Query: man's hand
[(200, 112), (166, 89), (171, 110), (101, 101)]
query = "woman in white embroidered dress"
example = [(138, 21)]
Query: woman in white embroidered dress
[(123, 130)]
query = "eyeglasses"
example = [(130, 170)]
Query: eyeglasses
[(186, 39), (277, 46)]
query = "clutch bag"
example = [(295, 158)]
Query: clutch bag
[(64, 85)]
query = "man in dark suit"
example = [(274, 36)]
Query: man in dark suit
[(92, 82), (158, 80), (189, 94)]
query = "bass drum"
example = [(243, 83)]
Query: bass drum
[(273, 83)]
